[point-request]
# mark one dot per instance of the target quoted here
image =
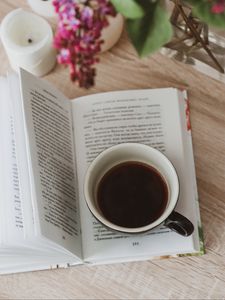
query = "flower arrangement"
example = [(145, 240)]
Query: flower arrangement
[(80, 23), (78, 36)]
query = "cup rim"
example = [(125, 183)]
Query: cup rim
[(113, 226)]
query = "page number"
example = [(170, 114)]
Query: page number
[(135, 243)]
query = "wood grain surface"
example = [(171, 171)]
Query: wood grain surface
[(178, 278)]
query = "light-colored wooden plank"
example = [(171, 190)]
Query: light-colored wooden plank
[(181, 278)]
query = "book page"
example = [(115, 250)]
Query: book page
[(47, 116), (3, 122), (21, 157), (12, 225), (152, 117), (189, 174)]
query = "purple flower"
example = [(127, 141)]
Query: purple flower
[(78, 36)]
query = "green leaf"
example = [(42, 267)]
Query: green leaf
[(152, 31), (130, 9), (203, 11)]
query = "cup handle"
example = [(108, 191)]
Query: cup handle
[(179, 224)]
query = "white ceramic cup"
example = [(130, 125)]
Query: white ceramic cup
[(127, 152)]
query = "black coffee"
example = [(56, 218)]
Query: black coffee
[(132, 194)]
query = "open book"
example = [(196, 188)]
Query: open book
[(47, 143)]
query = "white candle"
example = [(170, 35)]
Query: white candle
[(27, 39), (112, 32), (42, 7)]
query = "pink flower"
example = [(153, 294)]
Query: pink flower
[(218, 7), (78, 36)]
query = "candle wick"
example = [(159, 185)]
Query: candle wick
[(30, 41)]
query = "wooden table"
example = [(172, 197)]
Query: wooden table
[(183, 278)]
